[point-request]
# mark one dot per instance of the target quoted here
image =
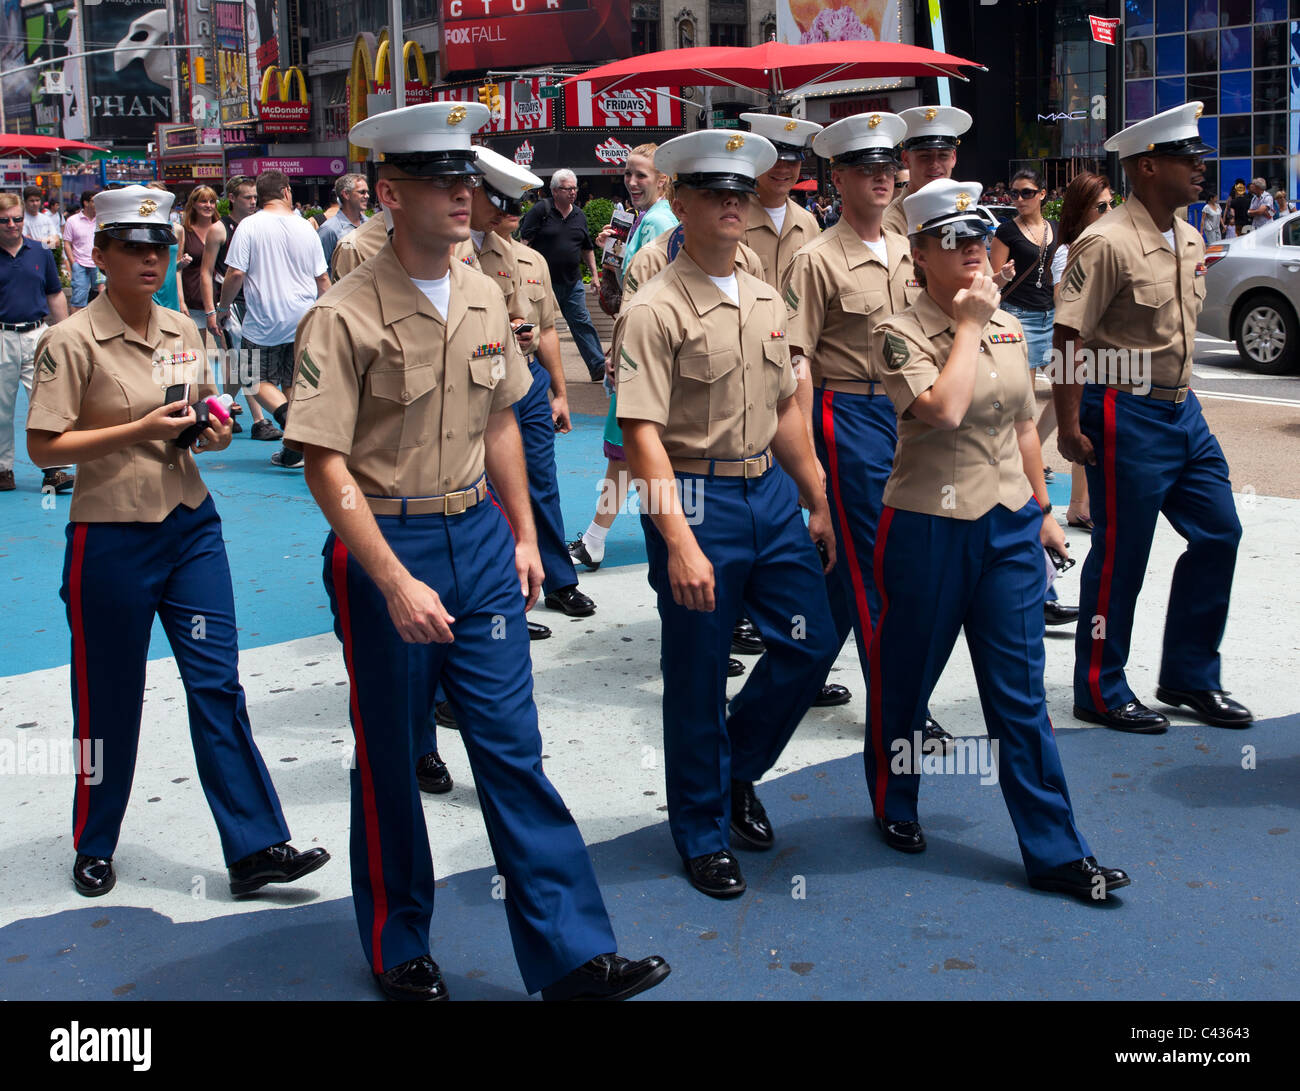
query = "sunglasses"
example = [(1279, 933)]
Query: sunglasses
[(1102, 208), (900, 185), (11, 219), (1025, 194), (447, 181)]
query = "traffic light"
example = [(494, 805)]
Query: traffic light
[(485, 94), (200, 70)]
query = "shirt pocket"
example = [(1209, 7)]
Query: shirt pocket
[(865, 302), (1154, 294), (406, 389), (704, 392), (774, 364)]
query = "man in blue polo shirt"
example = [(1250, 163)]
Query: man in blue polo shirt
[(30, 294)]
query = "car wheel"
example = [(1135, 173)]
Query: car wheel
[(1267, 335)]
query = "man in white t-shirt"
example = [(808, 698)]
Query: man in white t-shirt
[(41, 227), (275, 258)]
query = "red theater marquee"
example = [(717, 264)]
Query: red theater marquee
[(481, 34)]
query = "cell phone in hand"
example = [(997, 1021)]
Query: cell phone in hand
[(824, 554), (525, 327), (1062, 564), (178, 393)]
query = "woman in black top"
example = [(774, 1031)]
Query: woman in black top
[(1239, 209), (1030, 241)]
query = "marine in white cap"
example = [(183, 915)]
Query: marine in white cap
[(778, 225), (1130, 296), (929, 152), (407, 372), (852, 276), (121, 390), (711, 426), (960, 547)]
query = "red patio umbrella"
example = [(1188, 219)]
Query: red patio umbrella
[(37, 147), (776, 68), (808, 185)]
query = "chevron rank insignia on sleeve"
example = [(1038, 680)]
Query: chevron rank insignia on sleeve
[(1074, 279), (47, 365), (308, 372), (626, 358), (896, 351), (792, 298)]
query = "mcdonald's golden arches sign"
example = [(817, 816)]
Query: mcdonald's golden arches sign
[(280, 111)]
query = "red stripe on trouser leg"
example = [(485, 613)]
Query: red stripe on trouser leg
[(378, 894), (877, 699), (846, 538), (81, 801), (1108, 556)]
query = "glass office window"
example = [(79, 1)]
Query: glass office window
[(1137, 58), (1268, 10), (1270, 135), (1202, 14), (1233, 13), (1202, 51), (1169, 16), (1234, 48), (1270, 44), (1139, 18), (1273, 171), (1271, 89), (1170, 93), (1205, 90), (1232, 171), (1234, 93), (1234, 136), (1139, 100), (1209, 127), (1170, 55)]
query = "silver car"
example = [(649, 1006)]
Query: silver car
[(1252, 295)]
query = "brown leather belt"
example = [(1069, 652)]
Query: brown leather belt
[(452, 503), (712, 467), (1175, 394), (848, 386)]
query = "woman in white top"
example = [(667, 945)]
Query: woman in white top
[(1087, 198), (1212, 220)]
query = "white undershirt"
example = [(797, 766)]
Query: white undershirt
[(879, 248), (727, 286), (778, 216), (1169, 238), (478, 237), (438, 292)]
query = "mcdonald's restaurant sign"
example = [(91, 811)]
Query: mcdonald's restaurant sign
[(279, 110), (372, 73)]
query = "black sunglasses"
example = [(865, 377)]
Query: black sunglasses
[(447, 181), (1025, 194), (1102, 207), (900, 185), (11, 219)]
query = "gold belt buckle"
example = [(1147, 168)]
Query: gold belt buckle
[(1181, 396), (453, 503), (756, 465)]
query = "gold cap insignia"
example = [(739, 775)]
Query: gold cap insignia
[(1200, 109), (931, 114), (873, 121), (963, 201), (1151, 147), (790, 126), (148, 208), (735, 143), (456, 115)]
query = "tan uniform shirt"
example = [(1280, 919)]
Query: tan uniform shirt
[(358, 246), (495, 260), (1124, 289), (893, 219), (93, 371), (405, 394), (534, 278), (836, 290), (710, 372), (652, 259), (960, 474), (776, 252)]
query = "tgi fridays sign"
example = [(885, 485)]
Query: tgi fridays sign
[(648, 107), (520, 113)]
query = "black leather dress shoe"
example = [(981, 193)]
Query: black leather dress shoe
[(432, 775), (1134, 717), (935, 735), (278, 864), (93, 875), (609, 977), (58, 480), (903, 836), (832, 695), (716, 874), (572, 601), (749, 822), (537, 631), (735, 668), (1085, 879), (444, 717), (1056, 614), (1211, 706), (745, 639), (418, 979), (578, 551)]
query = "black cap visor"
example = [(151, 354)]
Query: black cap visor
[(867, 157), (956, 227), (152, 234), (1190, 146), (789, 153), (930, 142), (511, 206), (736, 183), (434, 164)]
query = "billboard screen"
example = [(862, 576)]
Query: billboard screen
[(481, 34), (232, 61), (803, 21), (129, 90)]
